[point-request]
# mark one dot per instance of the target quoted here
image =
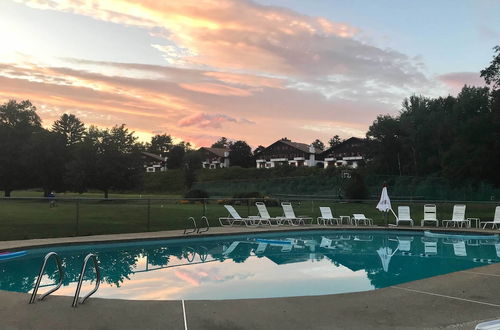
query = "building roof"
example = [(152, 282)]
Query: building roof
[(343, 144), (301, 146), (154, 156), (216, 151)]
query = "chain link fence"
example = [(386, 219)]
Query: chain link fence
[(26, 218)]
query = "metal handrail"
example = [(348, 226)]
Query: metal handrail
[(195, 229), (79, 286), (204, 229), (40, 275)]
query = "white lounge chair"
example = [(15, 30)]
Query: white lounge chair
[(497, 249), (430, 215), (360, 217), (327, 216), (326, 243), (459, 249), (404, 215), (458, 217), (227, 251), (289, 215), (430, 245), (261, 248), (264, 214), (404, 243), (496, 219), (234, 218)]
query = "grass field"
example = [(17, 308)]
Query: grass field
[(28, 218)]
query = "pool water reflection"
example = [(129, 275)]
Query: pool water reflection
[(256, 265)]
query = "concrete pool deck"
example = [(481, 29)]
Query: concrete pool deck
[(458, 300)]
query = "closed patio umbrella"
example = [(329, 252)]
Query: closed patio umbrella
[(384, 205), (385, 253)]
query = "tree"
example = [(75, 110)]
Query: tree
[(107, 159), (193, 159), (258, 150), (160, 144), (318, 145), (49, 151), (70, 127), (356, 187), (18, 121), (221, 143), (240, 154), (491, 74), (335, 140), (176, 157), (384, 145)]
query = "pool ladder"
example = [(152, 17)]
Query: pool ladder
[(61, 278), (42, 270), (195, 228)]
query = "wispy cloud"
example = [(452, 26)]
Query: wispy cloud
[(232, 67)]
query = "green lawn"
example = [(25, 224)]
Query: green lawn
[(23, 219)]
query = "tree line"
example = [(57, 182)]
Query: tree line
[(454, 137)]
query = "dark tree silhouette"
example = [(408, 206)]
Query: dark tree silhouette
[(70, 127)]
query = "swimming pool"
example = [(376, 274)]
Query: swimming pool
[(260, 265)]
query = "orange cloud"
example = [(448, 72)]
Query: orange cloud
[(235, 68), (216, 89)]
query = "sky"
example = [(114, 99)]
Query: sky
[(247, 70)]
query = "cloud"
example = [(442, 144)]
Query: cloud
[(241, 35), (204, 120), (232, 67), (456, 80), (217, 89)]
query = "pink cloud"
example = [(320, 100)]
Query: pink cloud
[(456, 80), (204, 120), (217, 89)]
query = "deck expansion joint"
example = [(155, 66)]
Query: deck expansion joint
[(446, 296), (184, 314), (478, 273)]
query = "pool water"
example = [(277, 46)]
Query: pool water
[(255, 265)]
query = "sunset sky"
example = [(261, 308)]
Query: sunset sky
[(251, 70)]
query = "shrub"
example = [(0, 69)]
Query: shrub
[(196, 194)]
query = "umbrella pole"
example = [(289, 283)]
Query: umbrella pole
[(385, 219)]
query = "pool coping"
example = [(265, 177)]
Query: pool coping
[(16, 245), (457, 300)]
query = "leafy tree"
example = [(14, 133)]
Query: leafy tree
[(335, 140), (240, 154), (160, 144), (185, 145), (318, 145), (81, 169), (385, 145), (70, 127), (193, 159), (491, 74), (176, 157), (258, 150), (18, 121), (221, 143), (20, 115), (189, 176), (356, 187), (113, 162), (48, 150)]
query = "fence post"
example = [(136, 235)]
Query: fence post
[(149, 215), (204, 207), (77, 216), (248, 207)]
